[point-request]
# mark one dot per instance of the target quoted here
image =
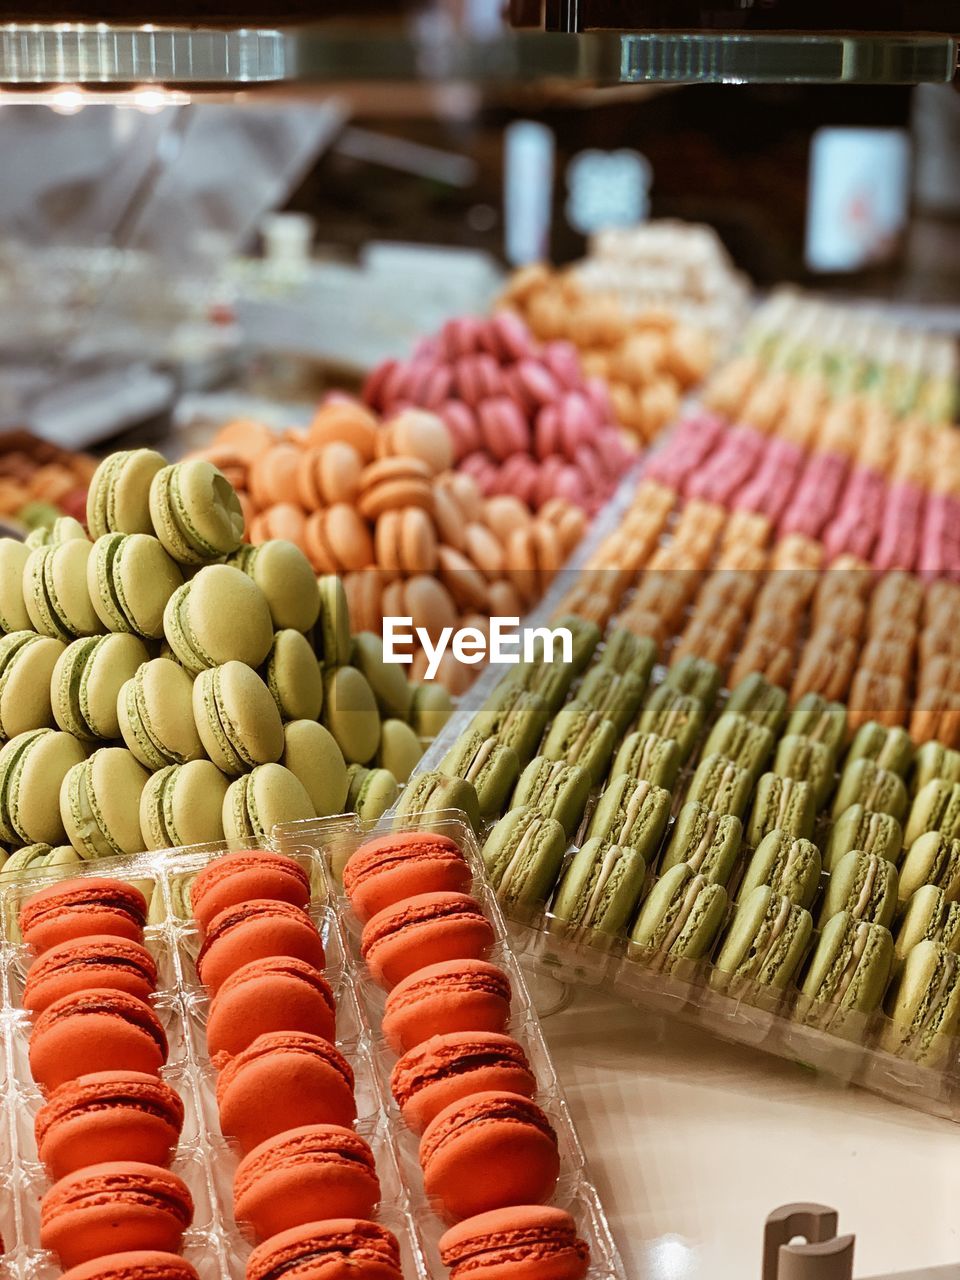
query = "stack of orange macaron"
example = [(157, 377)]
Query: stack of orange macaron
[(306, 1173), (378, 505), (109, 1127), (488, 1153)]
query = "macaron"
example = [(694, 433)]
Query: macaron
[(760, 701), (332, 632), (27, 663), (538, 1240), (516, 718), (195, 512), (110, 1208), (308, 1080), (823, 721), (100, 803), (489, 1151), (306, 1175), (848, 972), (102, 961), (34, 858), (807, 760), (601, 887), (434, 793), (254, 874), (585, 635), (183, 805), (865, 886), (56, 594), (789, 865), (676, 715), (400, 749), (555, 789), (581, 736), (33, 766), (135, 1264), (118, 499), (933, 760), (624, 651), (292, 674), (285, 576), (889, 746), (648, 758), (492, 768), (218, 615), (929, 917), (258, 801), (87, 681), (764, 945), (154, 714), (82, 908), (936, 807), (866, 830), (681, 917), (350, 713), (695, 676), (107, 1116), (92, 1031), (390, 869), (746, 743), (933, 859), (867, 783), (237, 718), (551, 681), (783, 804), (925, 1017), (312, 755), (430, 708), (338, 1246), (706, 841), (130, 579), (721, 785), (13, 610), (255, 930), (448, 1068), (391, 690), (632, 813), (454, 995), (424, 930), (371, 792), (523, 855), (275, 993), (616, 697)]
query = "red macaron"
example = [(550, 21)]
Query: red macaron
[(403, 865), (82, 908), (108, 1116), (489, 1151), (276, 994), (424, 930), (102, 961), (112, 1208), (455, 995), (526, 1242), (304, 1175), (136, 1265), (245, 876), (93, 1031), (328, 1250), (256, 930), (306, 1078), (447, 1068)]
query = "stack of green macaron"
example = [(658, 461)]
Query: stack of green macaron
[(163, 683)]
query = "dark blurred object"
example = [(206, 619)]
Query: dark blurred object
[(33, 471), (199, 13), (865, 16)]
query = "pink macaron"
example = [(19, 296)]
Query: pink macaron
[(504, 427)]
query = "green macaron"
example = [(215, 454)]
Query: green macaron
[(311, 753), (601, 887), (284, 575), (350, 713), (88, 680), (56, 594), (865, 782), (764, 945), (431, 793), (130, 579), (781, 804), (13, 609), (925, 1018), (370, 792), (219, 615), (807, 760), (890, 748), (760, 701), (585, 635), (673, 715), (195, 512), (649, 757), (393, 693), (267, 797), (865, 886), (63, 529), (237, 718), (864, 829), (823, 721), (27, 664), (624, 651), (934, 761), (633, 813), (935, 808), (933, 859), (155, 714), (118, 499), (491, 767), (695, 676), (930, 916), (100, 803), (555, 789), (523, 855), (680, 919), (33, 766), (400, 750), (430, 708), (721, 785), (707, 841), (182, 804), (747, 744), (551, 681), (35, 859), (786, 864), (848, 973), (332, 631), (294, 677), (616, 697), (515, 716)]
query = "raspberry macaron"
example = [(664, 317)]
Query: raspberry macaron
[(445, 1069), (279, 993), (256, 930), (422, 930), (455, 995), (138, 1264), (253, 874), (525, 1242), (338, 1247), (101, 961), (92, 1031), (81, 908), (402, 865)]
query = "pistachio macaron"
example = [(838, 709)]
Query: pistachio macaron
[(27, 664), (100, 803), (746, 743), (817, 718), (312, 755), (332, 631), (218, 615), (707, 841), (633, 813), (681, 918), (891, 747), (933, 859), (929, 917), (864, 829), (56, 594), (848, 972), (925, 1018), (87, 680), (433, 792), (808, 760), (400, 749), (13, 609), (721, 785), (696, 676), (784, 804), (580, 735), (517, 718), (601, 887), (649, 757), (488, 764), (616, 697), (760, 701), (62, 530), (370, 792), (935, 808), (933, 760), (284, 575), (625, 651), (789, 865), (293, 675), (764, 945), (33, 767), (523, 855), (430, 708), (262, 799), (182, 804), (867, 783), (554, 788), (350, 713), (155, 715), (130, 578), (118, 499), (865, 886), (236, 718), (195, 512), (675, 715), (35, 858)]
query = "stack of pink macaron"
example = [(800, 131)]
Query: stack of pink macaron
[(524, 419)]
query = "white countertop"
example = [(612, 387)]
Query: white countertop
[(692, 1142)]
